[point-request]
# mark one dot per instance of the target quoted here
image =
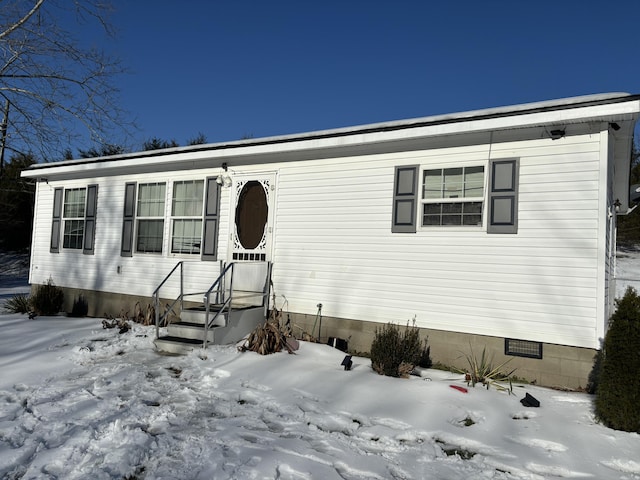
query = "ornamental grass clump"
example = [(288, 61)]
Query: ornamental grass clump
[(396, 353), (18, 304), (481, 370), (617, 402)]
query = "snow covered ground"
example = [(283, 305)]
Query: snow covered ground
[(627, 270), (77, 401)]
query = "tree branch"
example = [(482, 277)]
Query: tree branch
[(22, 21)]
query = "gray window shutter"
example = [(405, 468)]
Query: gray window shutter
[(126, 250), (90, 220), (210, 227), (503, 196), (405, 199), (57, 219)]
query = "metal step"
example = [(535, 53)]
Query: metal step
[(192, 331), (197, 316), (176, 345), (185, 336)]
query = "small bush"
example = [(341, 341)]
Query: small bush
[(395, 353), (18, 304), (425, 356), (617, 402), (48, 299)]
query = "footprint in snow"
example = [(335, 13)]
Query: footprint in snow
[(539, 443), (250, 397), (556, 471), (349, 473), (255, 386), (624, 465), (219, 373), (390, 423), (305, 395), (524, 415), (286, 472)]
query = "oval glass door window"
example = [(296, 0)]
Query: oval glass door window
[(251, 215)]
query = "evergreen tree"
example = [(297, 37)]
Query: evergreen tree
[(199, 139), (104, 150), (155, 143), (618, 393), (16, 204)]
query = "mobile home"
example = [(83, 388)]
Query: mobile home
[(492, 228)]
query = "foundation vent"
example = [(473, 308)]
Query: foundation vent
[(522, 348)]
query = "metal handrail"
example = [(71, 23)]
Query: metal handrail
[(221, 299), (225, 303), (156, 297)]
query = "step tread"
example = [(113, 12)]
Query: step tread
[(202, 308), (191, 324), (215, 308), (172, 339)]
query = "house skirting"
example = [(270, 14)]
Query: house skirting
[(101, 304), (560, 366)]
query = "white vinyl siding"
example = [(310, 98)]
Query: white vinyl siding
[(333, 246)]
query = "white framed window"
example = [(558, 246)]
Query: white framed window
[(186, 216), (452, 196), (73, 213), (150, 217)]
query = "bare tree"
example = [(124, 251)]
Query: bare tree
[(53, 89)]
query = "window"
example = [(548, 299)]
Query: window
[(452, 196), (74, 215), (186, 213), (194, 222), (150, 217)]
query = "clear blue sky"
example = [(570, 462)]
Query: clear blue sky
[(231, 69)]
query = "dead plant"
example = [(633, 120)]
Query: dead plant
[(121, 323), (266, 339), (145, 317)]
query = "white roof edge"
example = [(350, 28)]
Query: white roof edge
[(495, 111), (452, 118)]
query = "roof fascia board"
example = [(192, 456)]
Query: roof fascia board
[(618, 111)]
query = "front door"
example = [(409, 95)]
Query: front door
[(252, 218)]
